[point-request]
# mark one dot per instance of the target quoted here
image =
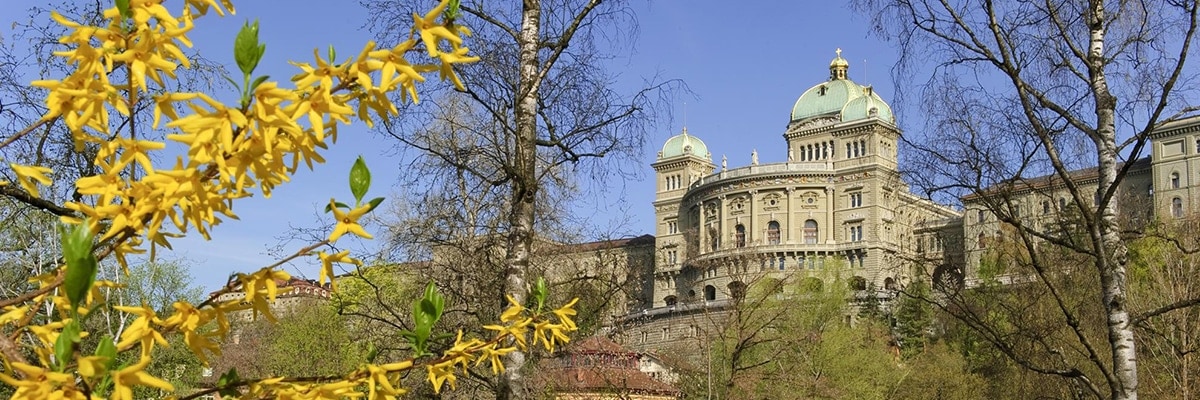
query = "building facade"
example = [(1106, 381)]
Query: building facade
[(838, 210), (838, 200)]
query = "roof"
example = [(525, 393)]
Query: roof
[(611, 244), (615, 370), (841, 96), (684, 144), (1082, 176)]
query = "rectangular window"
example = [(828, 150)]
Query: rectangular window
[(856, 233), (856, 199)]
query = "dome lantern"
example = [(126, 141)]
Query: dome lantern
[(841, 98), (839, 67)]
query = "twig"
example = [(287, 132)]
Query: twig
[(26, 131)]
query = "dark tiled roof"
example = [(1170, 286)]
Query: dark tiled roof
[(1082, 175), (599, 365), (644, 240)]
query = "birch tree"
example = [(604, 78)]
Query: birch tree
[(551, 107), (1022, 89)]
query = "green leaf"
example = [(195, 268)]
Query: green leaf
[(257, 81), (123, 8), (372, 352), (64, 346), (452, 11), (228, 378), (232, 82), (374, 203), (540, 293), (81, 263), (246, 49), (338, 204), (360, 179), (426, 312), (107, 349)]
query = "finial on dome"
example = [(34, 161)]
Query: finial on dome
[(838, 67)]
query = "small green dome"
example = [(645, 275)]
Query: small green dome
[(682, 144), (867, 106)]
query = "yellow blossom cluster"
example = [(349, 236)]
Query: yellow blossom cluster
[(231, 150), (226, 152), (375, 381)]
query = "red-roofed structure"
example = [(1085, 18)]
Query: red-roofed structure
[(598, 368)]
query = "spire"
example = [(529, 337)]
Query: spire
[(838, 67)]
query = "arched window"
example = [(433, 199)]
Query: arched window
[(810, 232), (1177, 207), (739, 235), (811, 284), (737, 289), (773, 232), (858, 283), (982, 240), (889, 283), (1045, 206), (1062, 203), (1174, 180), (670, 300), (710, 292)]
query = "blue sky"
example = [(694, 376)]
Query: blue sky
[(746, 67)]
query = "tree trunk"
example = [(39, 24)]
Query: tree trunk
[(1111, 261), (524, 186)]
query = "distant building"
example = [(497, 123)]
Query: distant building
[(294, 294), (837, 199), (597, 368)]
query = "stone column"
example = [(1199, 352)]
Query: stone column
[(788, 218), (752, 234), (831, 206)]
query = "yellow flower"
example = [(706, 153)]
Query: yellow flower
[(492, 354), (38, 383), (92, 366), (140, 330), (378, 383), (134, 375), (516, 330), (26, 174), (187, 319), (431, 30), (461, 352), (441, 373), (327, 261), (564, 314), (513, 312), (347, 222), (13, 314)]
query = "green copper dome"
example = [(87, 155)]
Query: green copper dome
[(824, 98), (682, 144), (866, 106), (840, 95)]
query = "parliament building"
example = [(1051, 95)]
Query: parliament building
[(838, 211)]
